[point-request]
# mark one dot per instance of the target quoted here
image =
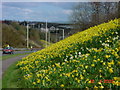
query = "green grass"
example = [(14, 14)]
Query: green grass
[(12, 77), (0, 84), (44, 43), (75, 61), (11, 56)]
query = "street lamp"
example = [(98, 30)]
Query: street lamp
[(27, 35), (63, 34), (49, 37), (56, 33), (52, 28), (46, 33), (38, 26), (42, 27)]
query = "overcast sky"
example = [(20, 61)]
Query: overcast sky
[(37, 11)]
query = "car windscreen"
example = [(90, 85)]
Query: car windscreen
[(8, 48)]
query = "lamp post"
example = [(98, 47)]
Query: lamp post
[(27, 35), (49, 37), (63, 34), (46, 33), (41, 26), (56, 33), (52, 28)]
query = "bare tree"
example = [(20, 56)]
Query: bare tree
[(89, 14), (95, 12), (109, 10), (81, 16)]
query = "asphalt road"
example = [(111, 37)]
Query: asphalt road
[(8, 62), (4, 64)]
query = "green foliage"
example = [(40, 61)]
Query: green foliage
[(76, 60), (15, 35), (11, 36), (12, 78), (44, 43)]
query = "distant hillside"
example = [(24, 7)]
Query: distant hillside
[(15, 35), (0, 35)]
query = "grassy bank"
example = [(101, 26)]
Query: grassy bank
[(83, 60), (76, 60), (12, 78)]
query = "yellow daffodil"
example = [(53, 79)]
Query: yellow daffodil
[(95, 87), (100, 76), (99, 83), (100, 70), (111, 70), (116, 78), (103, 63), (92, 65), (38, 80), (62, 85), (101, 86), (84, 70), (73, 76), (98, 59), (86, 66), (94, 60), (118, 62), (116, 83), (94, 56), (107, 56), (34, 83), (78, 81), (89, 81)]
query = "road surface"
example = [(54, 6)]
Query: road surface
[(8, 62), (4, 64)]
